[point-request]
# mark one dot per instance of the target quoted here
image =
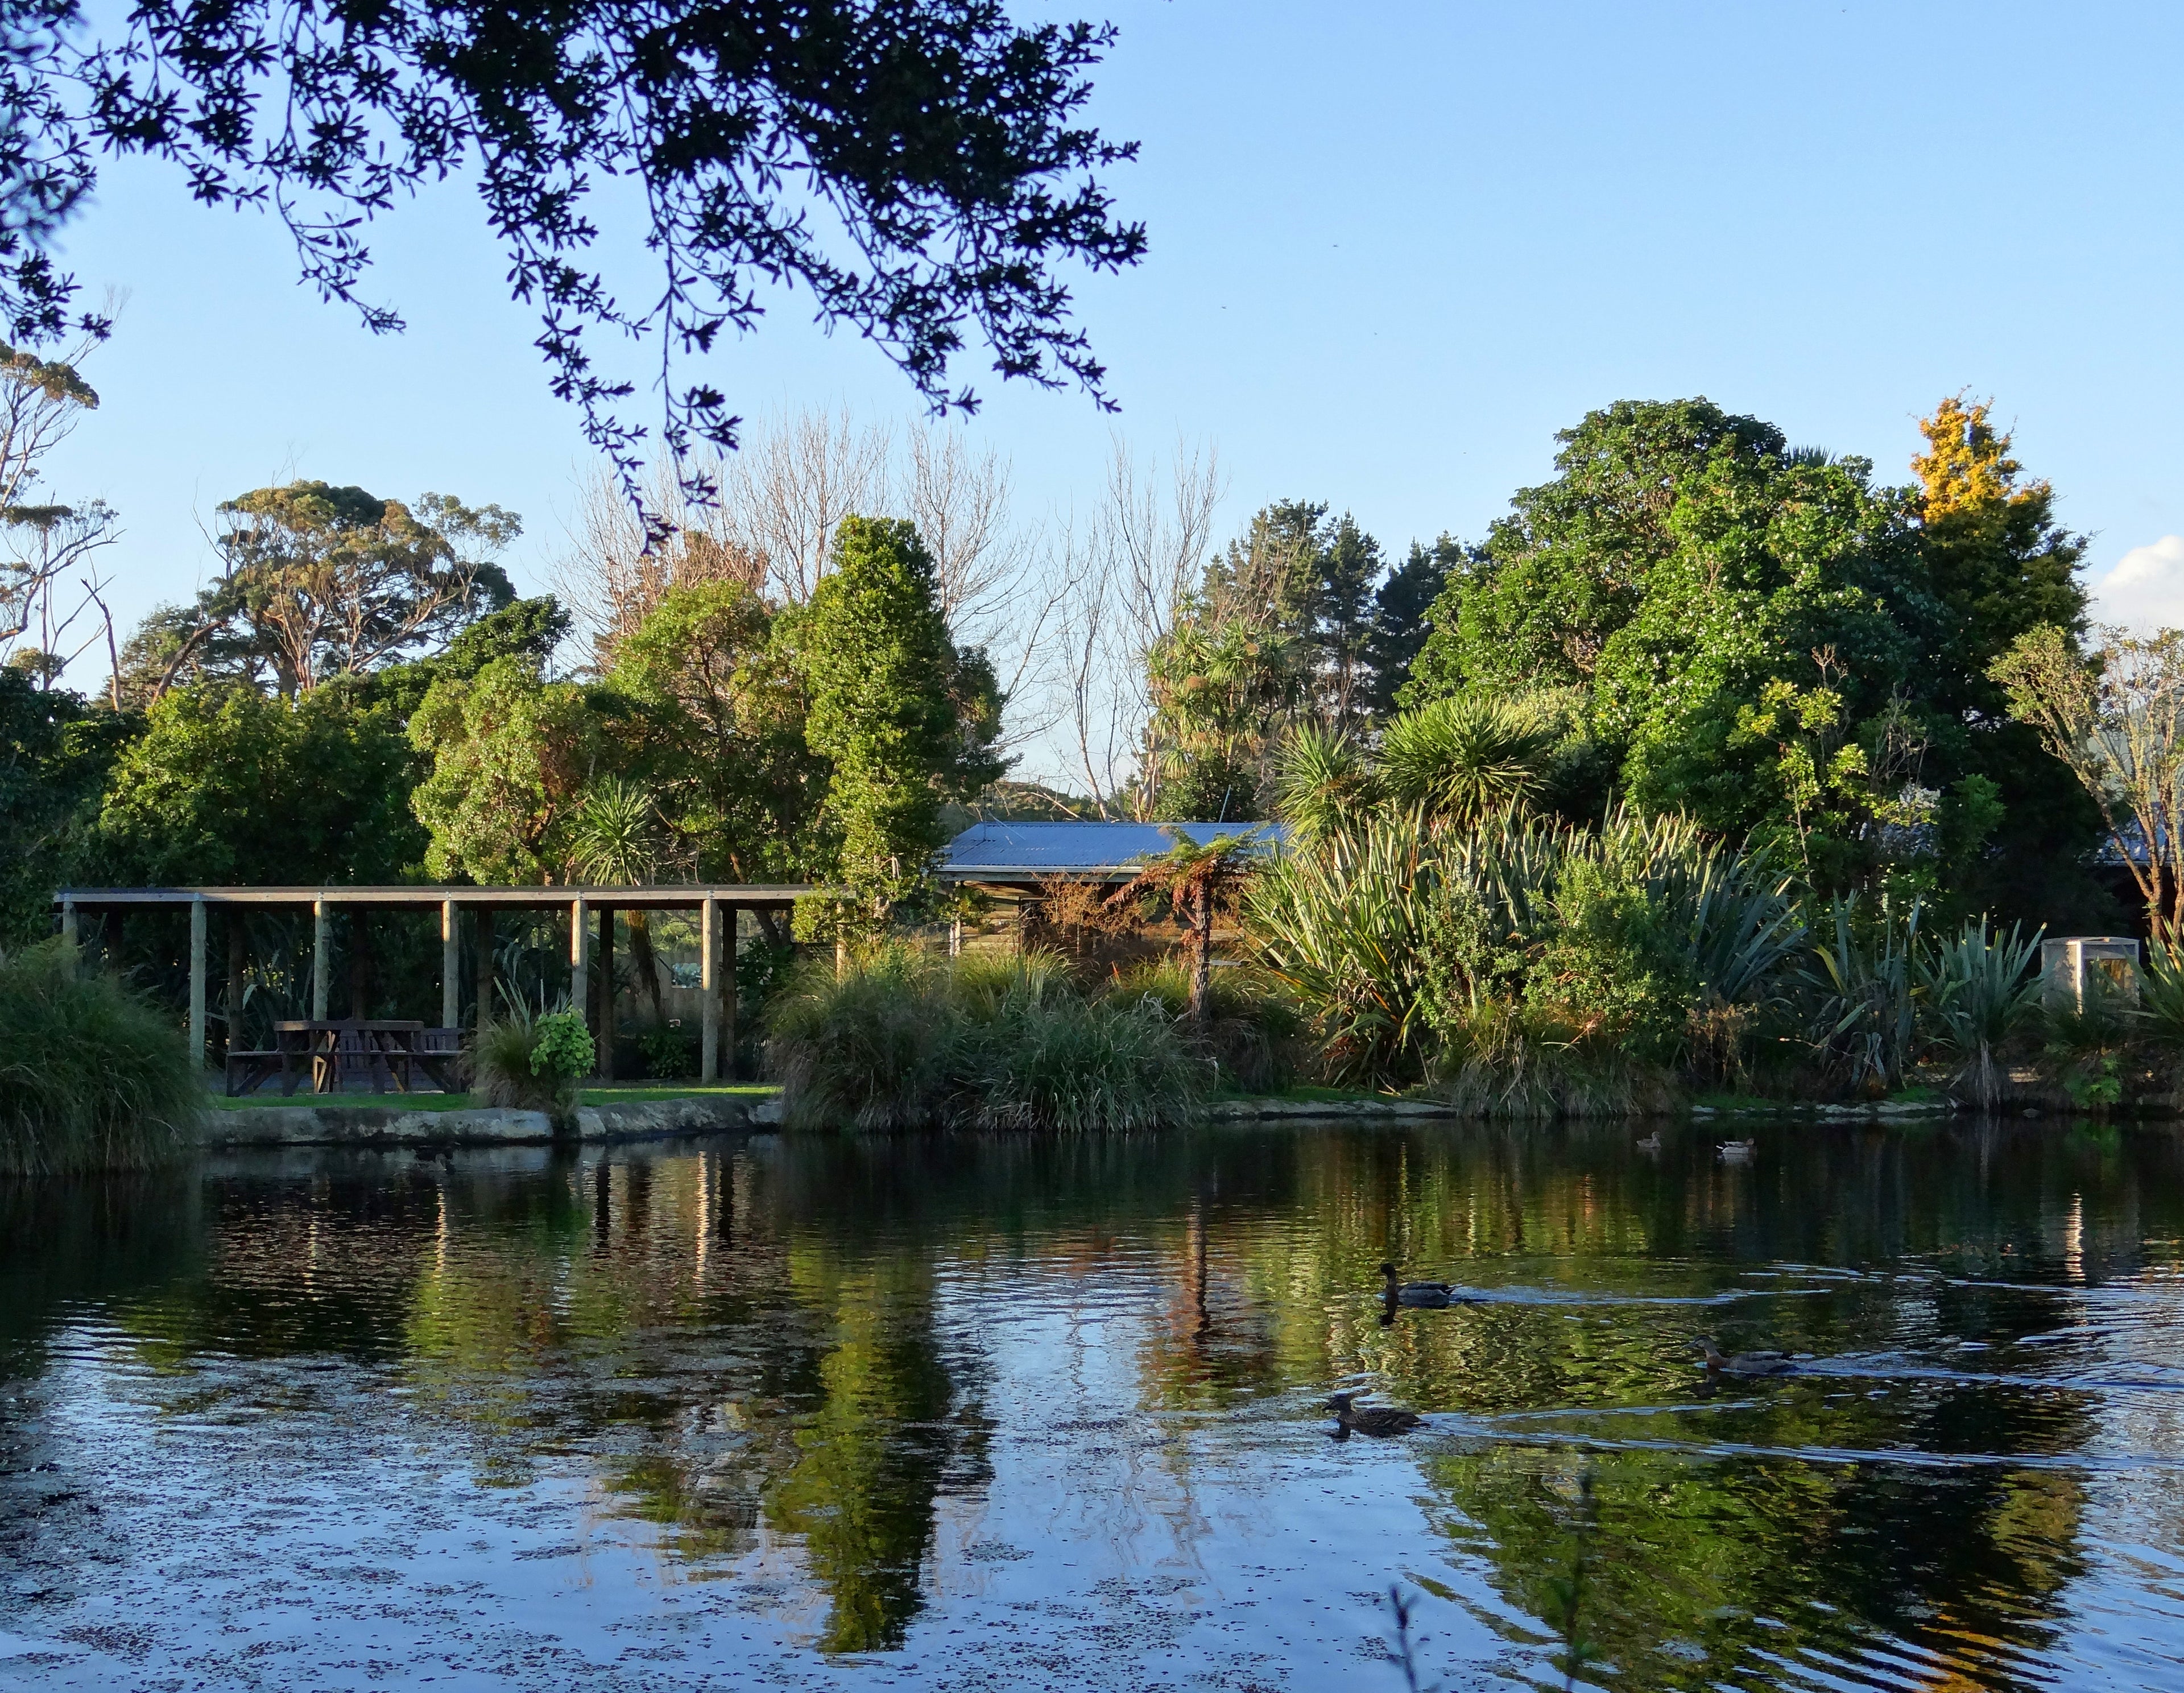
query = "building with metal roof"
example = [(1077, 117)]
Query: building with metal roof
[(1020, 855)]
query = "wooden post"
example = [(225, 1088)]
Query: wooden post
[(709, 970), (323, 963), (604, 995), (580, 957), (451, 967), (481, 938), (197, 982), (67, 938), (726, 999)]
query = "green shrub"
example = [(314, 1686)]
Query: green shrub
[(902, 1041), (1072, 1066), (867, 1050), (92, 1077), (531, 1061)]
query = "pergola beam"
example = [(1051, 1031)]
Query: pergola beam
[(431, 895)]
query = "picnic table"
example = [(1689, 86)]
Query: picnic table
[(352, 1054)]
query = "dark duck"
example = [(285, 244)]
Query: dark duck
[(1427, 1295), (1378, 1420)]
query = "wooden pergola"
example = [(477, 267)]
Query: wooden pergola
[(716, 986)]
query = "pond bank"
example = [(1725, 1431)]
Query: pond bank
[(430, 1126)]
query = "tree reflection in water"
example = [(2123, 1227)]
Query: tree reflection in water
[(804, 1365)]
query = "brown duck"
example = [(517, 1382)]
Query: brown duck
[(1379, 1420), (1743, 1363)]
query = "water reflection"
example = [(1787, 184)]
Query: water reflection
[(1047, 1410)]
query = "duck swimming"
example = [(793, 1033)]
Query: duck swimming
[(1379, 1420), (1427, 1295), (1652, 1142), (1737, 1152), (1743, 1363)]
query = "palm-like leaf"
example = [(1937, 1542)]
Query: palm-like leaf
[(615, 838), (1462, 759)]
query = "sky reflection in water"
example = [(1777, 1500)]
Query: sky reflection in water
[(989, 1414)]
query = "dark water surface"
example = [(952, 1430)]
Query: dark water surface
[(987, 1413)]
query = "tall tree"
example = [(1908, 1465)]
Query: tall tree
[(1766, 639), (1569, 565), (317, 581), (719, 711), (904, 720), (513, 755), (1402, 609), (2001, 565), (1346, 573), (227, 785)]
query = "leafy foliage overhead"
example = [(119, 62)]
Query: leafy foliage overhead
[(917, 165)]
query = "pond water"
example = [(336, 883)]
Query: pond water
[(986, 1414)]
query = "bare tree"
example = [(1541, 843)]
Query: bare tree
[(610, 579), (1129, 573), (784, 494), (958, 497)]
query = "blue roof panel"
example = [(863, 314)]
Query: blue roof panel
[(1057, 848)]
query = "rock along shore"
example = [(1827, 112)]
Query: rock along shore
[(385, 1126)]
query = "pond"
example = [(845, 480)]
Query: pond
[(989, 1414)]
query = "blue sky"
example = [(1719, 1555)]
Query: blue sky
[(1393, 249)]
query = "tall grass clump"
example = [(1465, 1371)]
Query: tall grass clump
[(93, 1075), (899, 1040), (1252, 1033), (867, 1050)]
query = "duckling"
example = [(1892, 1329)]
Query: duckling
[(1743, 1363), (1737, 1152), (1378, 1420), (1427, 1295)]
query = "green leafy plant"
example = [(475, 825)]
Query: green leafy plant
[(898, 1040), (530, 1060), (1865, 1019), (561, 1046), (1981, 990)]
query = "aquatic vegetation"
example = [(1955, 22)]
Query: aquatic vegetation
[(92, 1074)]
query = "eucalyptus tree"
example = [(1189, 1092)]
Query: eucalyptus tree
[(317, 581)]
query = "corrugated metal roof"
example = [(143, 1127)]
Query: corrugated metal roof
[(1043, 849)]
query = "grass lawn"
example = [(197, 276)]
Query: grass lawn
[(461, 1102)]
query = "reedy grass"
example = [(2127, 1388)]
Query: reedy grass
[(93, 1075), (902, 1041), (1252, 1029)]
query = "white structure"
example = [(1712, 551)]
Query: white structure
[(2071, 966)]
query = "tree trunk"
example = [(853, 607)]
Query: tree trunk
[(236, 1043), (646, 962)]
